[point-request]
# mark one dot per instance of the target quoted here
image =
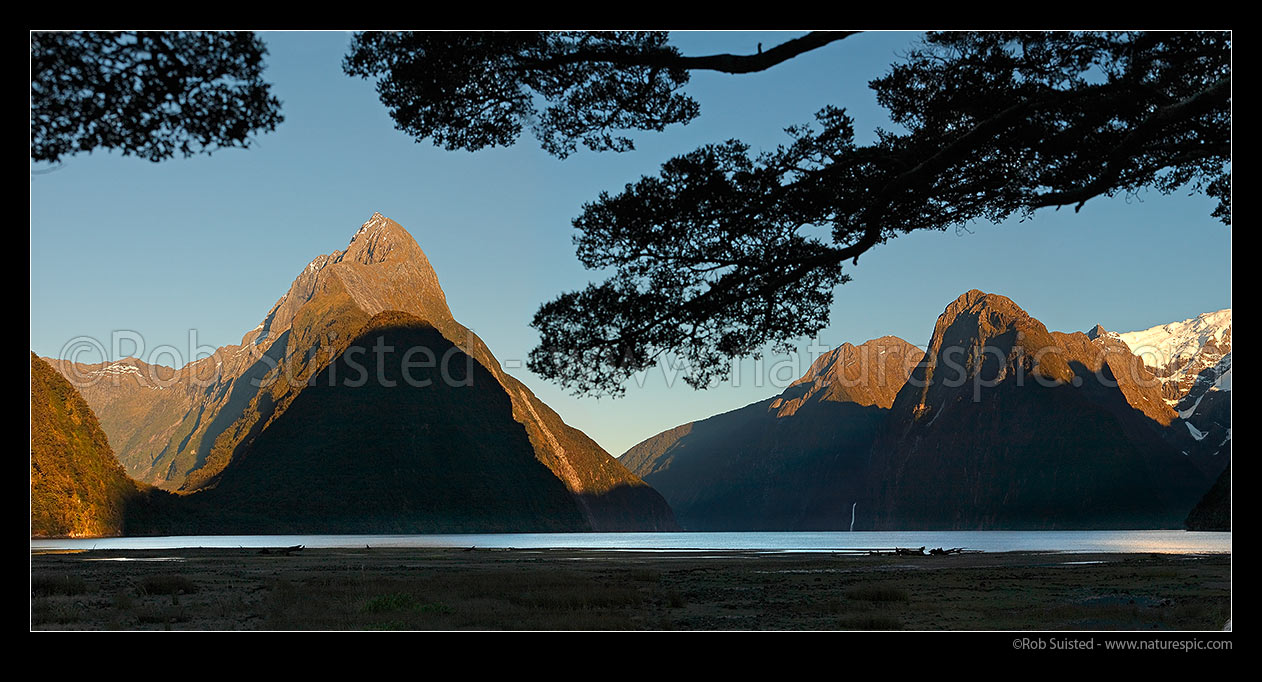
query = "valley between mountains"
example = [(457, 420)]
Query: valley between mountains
[(360, 405)]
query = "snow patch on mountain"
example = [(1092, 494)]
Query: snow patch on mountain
[(1224, 379), (117, 369), (1187, 414), (1177, 342)]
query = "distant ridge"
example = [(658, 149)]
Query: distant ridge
[(999, 423), (793, 462)]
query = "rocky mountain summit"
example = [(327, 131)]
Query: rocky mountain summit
[(1008, 425), (998, 423), (209, 430)]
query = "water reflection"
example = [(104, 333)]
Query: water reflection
[(1144, 541)]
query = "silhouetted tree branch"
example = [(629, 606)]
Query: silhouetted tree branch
[(476, 90), (721, 253), (666, 57), (149, 94)]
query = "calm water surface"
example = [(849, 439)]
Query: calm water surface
[(1141, 541)]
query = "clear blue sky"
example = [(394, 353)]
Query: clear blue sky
[(209, 243)]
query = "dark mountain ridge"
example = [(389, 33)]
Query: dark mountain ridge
[(793, 462), (206, 431), (1001, 424)]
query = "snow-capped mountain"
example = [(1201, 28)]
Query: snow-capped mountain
[(1192, 359), (1187, 354), (1025, 434)]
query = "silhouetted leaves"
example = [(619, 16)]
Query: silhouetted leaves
[(476, 90), (722, 253), (148, 94)]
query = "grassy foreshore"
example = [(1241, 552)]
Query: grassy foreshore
[(453, 589)]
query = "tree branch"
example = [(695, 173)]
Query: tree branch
[(1177, 112), (725, 63)]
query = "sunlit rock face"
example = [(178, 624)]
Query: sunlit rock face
[(1192, 360), (209, 430), (78, 489), (1008, 425), (998, 423)]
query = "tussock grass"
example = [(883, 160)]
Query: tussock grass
[(58, 584), (457, 590), (56, 612), (869, 622), (161, 615), (674, 599), (644, 575), (877, 593), (388, 603), (166, 584)]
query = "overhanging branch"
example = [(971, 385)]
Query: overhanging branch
[(724, 63)]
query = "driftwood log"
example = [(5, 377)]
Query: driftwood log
[(913, 551), (283, 550)]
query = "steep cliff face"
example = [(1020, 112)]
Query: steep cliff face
[(1184, 354), (1008, 425), (793, 462), (192, 443), (1192, 361), (78, 489), (402, 433), (1213, 512)]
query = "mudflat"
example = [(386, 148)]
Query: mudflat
[(483, 589)]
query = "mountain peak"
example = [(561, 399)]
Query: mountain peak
[(374, 223), (378, 240), (977, 300), (977, 316), (382, 268), (1099, 332), (868, 374), (1178, 342)]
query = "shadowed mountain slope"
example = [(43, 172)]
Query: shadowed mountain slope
[(391, 442), (1002, 424), (222, 408), (793, 462), (1007, 425)]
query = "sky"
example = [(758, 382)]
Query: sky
[(190, 254)]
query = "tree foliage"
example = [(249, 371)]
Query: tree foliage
[(476, 90), (148, 94), (724, 251)]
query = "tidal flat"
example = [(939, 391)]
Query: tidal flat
[(555, 589)]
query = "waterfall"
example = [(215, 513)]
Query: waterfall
[(852, 516)]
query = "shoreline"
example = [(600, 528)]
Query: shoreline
[(1077, 541), (410, 588)]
